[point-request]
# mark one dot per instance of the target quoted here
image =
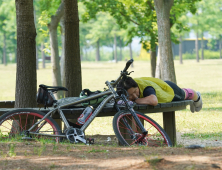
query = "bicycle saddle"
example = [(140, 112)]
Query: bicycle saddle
[(53, 88)]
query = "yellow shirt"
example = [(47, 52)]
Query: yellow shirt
[(164, 92)]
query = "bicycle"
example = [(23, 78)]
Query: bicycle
[(130, 127)]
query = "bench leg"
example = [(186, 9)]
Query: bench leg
[(169, 125)]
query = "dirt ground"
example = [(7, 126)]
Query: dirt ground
[(104, 154)]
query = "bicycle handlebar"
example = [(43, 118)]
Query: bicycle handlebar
[(128, 64), (122, 72)]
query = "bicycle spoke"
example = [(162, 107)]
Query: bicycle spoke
[(132, 135), (19, 121)]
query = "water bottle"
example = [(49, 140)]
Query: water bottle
[(85, 115)]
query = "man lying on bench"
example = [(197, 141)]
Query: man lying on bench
[(151, 91)]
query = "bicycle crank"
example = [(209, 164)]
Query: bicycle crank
[(75, 135)]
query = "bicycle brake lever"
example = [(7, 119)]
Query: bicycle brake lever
[(130, 72)]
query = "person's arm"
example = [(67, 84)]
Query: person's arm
[(150, 100)]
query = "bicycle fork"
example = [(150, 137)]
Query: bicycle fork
[(137, 120)]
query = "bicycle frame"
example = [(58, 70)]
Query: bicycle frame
[(111, 94), (59, 110)]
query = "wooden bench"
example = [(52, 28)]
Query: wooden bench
[(168, 110)]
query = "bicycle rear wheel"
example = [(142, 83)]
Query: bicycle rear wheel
[(128, 132), (13, 125)]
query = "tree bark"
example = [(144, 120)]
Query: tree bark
[(131, 53), (86, 55), (196, 47), (202, 46), (121, 48), (37, 58), (115, 48), (163, 8), (56, 76), (158, 69), (72, 49), (15, 49), (181, 50), (97, 51), (4, 50), (153, 56), (43, 55), (62, 23), (25, 95), (2, 56)]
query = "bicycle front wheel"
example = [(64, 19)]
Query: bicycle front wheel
[(14, 124), (128, 132)]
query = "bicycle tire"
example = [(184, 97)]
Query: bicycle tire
[(156, 135), (14, 123)]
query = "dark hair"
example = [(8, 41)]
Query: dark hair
[(127, 83)]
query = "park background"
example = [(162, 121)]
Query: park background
[(105, 45)]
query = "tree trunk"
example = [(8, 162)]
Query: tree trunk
[(131, 53), (86, 55), (62, 23), (4, 50), (37, 58), (115, 48), (43, 55), (181, 50), (153, 56), (196, 47), (220, 46), (97, 51), (81, 54), (121, 48), (2, 56), (56, 76), (25, 95), (113, 53), (163, 8), (158, 69), (15, 49), (72, 49), (202, 47)]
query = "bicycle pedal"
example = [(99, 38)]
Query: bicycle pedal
[(90, 141)]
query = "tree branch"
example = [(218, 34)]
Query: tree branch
[(129, 19), (150, 5), (56, 18)]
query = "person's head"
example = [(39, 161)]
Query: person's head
[(130, 86)]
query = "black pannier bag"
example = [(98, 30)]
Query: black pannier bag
[(43, 97), (94, 102)]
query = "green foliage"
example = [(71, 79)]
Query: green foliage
[(207, 55), (212, 44), (142, 15), (208, 17)]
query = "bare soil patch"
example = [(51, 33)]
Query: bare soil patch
[(107, 155)]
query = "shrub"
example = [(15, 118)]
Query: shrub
[(207, 55)]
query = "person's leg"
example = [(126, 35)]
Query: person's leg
[(179, 94), (195, 96), (187, 94), (190, 94)]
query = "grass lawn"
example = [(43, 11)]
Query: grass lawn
[(205, 77)]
